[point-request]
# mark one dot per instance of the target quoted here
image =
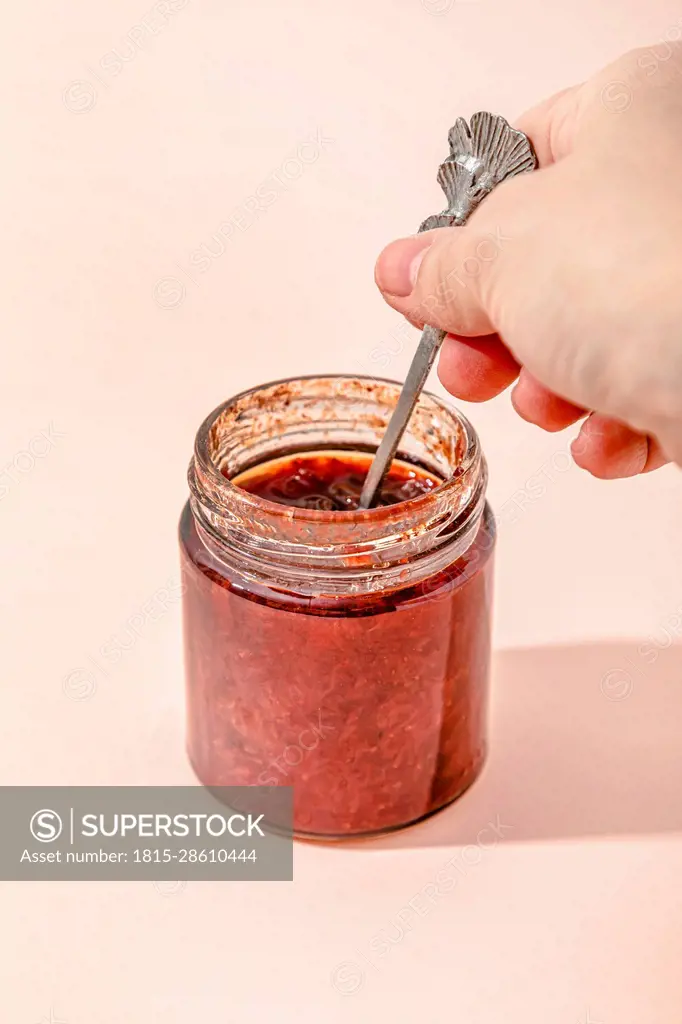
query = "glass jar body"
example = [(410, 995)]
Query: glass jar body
[(376, 714), (343, 654)]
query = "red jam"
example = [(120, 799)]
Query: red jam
[(371, 704), (332, 481)]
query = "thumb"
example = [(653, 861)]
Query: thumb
[(442, 277)]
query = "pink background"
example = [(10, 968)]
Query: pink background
[(118, 340)]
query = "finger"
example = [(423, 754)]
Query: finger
[(657, 456), (476, 369), (551, 125), (435, 278), (611, 450), (536, 404), (397, 269)]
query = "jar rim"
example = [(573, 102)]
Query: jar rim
[(202, 456), (319, 548)]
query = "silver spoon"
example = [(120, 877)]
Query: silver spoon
[(481, 156)]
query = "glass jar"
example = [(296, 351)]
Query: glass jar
[(343, 653)]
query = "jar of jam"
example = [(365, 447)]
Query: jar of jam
[(340, 651)]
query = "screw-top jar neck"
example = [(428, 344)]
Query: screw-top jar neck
[(334, 553)]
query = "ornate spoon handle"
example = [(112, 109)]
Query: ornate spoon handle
[(481, 156)]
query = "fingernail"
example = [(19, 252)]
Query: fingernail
[(398, 266)]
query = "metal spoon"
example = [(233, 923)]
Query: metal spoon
[(481, 156)]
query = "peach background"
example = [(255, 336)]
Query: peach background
[(113, 175)]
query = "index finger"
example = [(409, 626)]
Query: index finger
[(551, 125)]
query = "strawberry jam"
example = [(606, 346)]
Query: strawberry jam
[(343, 652), (332, 481)]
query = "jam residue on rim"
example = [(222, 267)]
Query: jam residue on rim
[(331, 481)]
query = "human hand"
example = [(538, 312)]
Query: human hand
[(569, 280)]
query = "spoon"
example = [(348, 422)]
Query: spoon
[(482, 154)]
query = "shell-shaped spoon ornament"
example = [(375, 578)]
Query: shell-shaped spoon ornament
[(482, 154)]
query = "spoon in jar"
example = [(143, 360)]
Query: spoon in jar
[(482, 154)]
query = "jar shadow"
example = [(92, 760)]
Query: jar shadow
[(584, 742)]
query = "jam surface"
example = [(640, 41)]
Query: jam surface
[(331, 481)]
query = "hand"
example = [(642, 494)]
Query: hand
[(569, 280)]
